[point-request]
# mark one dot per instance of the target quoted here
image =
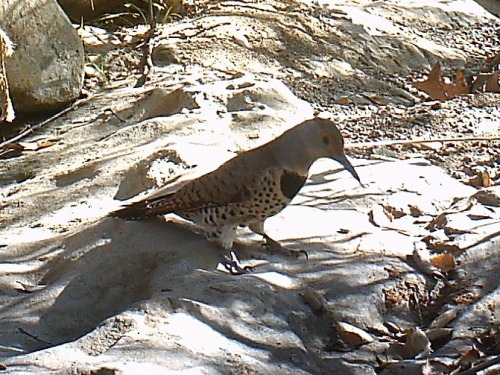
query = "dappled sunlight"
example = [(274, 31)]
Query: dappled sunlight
[(196, 335), (278, 279), (84, 292)]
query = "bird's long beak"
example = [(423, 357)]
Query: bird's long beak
[(348, 166)]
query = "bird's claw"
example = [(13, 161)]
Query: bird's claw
[(298, 253), (232, 264)]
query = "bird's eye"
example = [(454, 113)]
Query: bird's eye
[(325, 139)]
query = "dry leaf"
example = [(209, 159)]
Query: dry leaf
[(343, 100), (441, 247), (352, 335), (438, 89), (393, 273), (469, 358), (492, 82), (314, 299), (392, 327), (380, 216), (442, 320), (480, 179), (487, 80), (417, 343), (487, 197), (478, 217), (445, 262), (377, 99), (461, 87), (415, 211), (434, 334), (394, 212), (45, 144), (438, 222), (434, 85), (27, 288), (490, 63), (485, 176), (479, 82), (397, 351), (32, 146), (422, 258), (490, 341), (387, 212), (13, 146)]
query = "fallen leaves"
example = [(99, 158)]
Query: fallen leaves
[(33, 146), (353, 335), (415, 347), (437, 87), (346, 336), (416, 344), (17, 148), (444, 261), (425, 261), (478, 177)]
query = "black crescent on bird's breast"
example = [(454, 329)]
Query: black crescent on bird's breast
[(291, 183)]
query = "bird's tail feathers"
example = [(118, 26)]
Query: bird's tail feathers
[(143, 209), (133, 211)]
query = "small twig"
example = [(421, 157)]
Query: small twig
[(482, 240), (146, 63), (200, 31), (418, 141), (116, 115), (490, 63), (23, 331), (474, 370), (33, 128)]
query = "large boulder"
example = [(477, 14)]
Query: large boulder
[(492, 6), (89, 10), (46, 70)]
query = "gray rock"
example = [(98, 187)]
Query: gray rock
[(492, 6), (46, 70)]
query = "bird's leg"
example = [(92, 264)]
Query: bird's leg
[(223, 236), (273, 245), (276, 247), (232, 264)]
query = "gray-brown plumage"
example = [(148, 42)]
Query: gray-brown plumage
[(250, 187)]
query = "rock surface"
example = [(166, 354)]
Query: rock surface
[(402, 272), (45, 72), (85, 10)]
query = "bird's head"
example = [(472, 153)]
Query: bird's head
[(324, 140)]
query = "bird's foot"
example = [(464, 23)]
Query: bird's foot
[(232, 264), (276, 247)]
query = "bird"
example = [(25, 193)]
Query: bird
[(249, 188)]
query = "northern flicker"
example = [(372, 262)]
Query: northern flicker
[(249, 188)]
